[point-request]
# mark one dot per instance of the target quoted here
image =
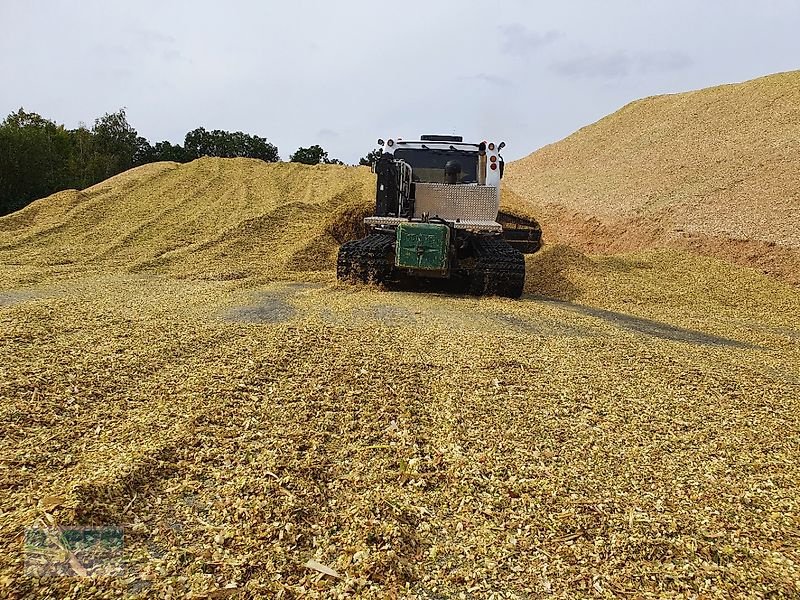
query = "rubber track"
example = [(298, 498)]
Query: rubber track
[(369, 260), (499, 269)]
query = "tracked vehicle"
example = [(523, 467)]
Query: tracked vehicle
[(437, 217)]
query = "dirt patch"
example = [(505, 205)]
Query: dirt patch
[(10, 298), (392, 315), (540, 326), (269, 306)]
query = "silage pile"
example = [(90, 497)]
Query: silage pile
[(214, 219), (211, 218), (713, 171)]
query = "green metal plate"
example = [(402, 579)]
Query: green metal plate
[(422, 246)]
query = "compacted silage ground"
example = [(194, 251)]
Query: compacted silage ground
[(176, 360)]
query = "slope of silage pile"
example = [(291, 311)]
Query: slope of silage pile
[(713, 171), (211, 218)]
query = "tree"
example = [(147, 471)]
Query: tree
[(371, 158), (39, 157), (259, 147), (82, 143), (313, 155), (115, 145), (22, 119), (197, 143), (145, 153), (166, 151), (33, 159), (224, 144)]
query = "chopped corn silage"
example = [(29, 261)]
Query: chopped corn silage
[(213, 218), (714, 170), (630, 427)]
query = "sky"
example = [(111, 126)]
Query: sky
[(342, 74)]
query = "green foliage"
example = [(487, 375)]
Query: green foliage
[(166, 151), (79, 159), (371, 158), (313, 155), (115, 144), (38, 157), (225, 144), (33, 159)]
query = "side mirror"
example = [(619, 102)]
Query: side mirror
[(380, 142), (501, 146)]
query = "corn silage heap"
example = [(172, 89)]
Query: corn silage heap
[(713, 171), (211, 218)]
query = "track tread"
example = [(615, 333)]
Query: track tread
[(499, 269), (368, 260)]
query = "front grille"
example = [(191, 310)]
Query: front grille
[(451, 202)]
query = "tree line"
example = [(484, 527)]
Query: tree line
[(39, 157)]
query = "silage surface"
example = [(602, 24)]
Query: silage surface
[(178, 360)]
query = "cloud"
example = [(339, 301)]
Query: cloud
[(327, 134), (111, 51), (150, 37), (488, 78), (114, 73), (155, 43), (518, 40), (172, 55), (616, 65), (610, 66), (661, 62)]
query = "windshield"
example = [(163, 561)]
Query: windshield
[(428, 165)]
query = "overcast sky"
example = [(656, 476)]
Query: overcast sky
[(343, 73)]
